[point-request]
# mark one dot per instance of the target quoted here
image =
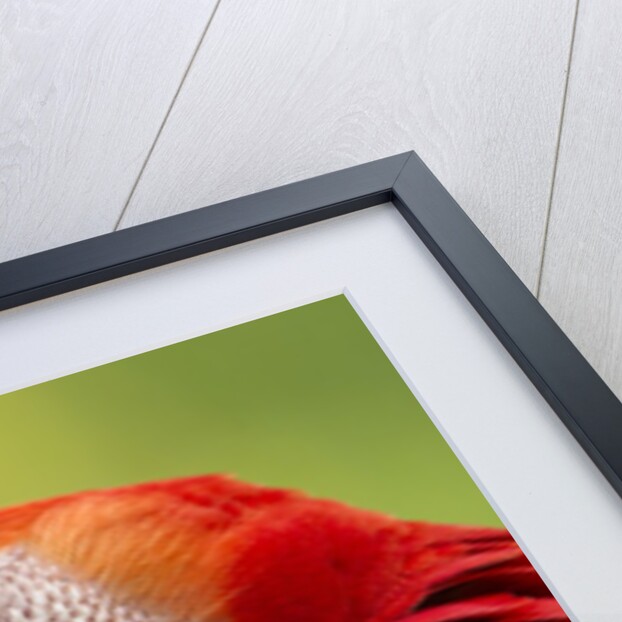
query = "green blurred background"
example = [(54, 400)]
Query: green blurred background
[(304, 399)]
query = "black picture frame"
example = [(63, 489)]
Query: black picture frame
[(572, 388)]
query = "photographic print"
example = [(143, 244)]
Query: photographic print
[(276, 471)]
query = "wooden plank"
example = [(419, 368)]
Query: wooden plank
[(282, 91), (582, 275), (84, 87)]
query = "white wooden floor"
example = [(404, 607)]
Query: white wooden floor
[(112, 114)]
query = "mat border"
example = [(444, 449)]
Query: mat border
[(572, 388)]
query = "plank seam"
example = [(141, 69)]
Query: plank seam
[(547, 218), (167, 115)]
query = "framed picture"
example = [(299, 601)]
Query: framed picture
[(328, 401)]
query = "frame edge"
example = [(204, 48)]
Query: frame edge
[(120, 253), (568, 383)]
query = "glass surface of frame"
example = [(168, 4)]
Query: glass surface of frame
[(512, 444)]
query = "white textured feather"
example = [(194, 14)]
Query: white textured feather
[(34, 590)]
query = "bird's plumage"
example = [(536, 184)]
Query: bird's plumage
[(215, 549)]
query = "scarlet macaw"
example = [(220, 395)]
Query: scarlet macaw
[(214, 549)]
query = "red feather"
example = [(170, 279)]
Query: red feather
[(213, 548), (500, 608)]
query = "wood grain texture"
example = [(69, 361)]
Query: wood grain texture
[(84, 87), (582, 270), (282, 91)]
